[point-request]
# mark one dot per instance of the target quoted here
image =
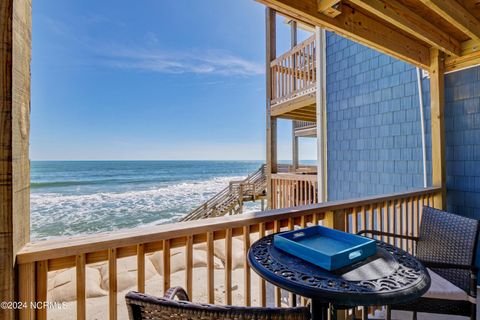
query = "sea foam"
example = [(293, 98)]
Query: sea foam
[(56, 214)]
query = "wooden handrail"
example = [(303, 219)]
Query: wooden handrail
[(297, 48), (295, 176)]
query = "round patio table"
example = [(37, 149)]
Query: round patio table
[(391, 276)]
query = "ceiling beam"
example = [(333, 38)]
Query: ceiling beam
[(331, 8), (403, 18), (457, 15), (358, 27), (464, 62)]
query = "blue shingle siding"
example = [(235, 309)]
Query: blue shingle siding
[(462, 126), (373, 122), (373, 126)]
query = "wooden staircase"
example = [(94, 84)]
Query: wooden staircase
[(230, 200)]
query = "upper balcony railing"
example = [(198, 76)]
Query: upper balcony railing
[(293, 73), (176, 249), (299, 125)]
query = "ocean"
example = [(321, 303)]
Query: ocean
[(83, 197)]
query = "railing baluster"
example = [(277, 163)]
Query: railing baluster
[(372, 218), (81, 297), (210, 268), (246, 267), (189, 265), (410, 223), (303, 222), (112, 283), (404, 223), (363, 218), (26, 289), (228, 266), (378, 218), (42, 285), (278, 292), (354, 220), (308, 61), (141, 267), (291, 296), (315, 219), (399, 222), (263, 284), (383, 211), (416, 222), (166, 265)]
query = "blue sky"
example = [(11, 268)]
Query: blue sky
[(180, 79)]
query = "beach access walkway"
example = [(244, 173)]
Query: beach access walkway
[(230, 200)]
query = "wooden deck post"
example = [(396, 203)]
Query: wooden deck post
[(293, 43), (271, 156), (437, 105), (15, 51), (321, 103)]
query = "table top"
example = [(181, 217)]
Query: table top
[(390, 276)]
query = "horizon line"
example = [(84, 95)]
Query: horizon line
[(258, 160)]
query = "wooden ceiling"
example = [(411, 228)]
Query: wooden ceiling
[(405, 29)]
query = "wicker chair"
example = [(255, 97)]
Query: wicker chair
[(142, 306), (446, 246)]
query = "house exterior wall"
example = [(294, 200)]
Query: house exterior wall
[(373, 122), (462, 126), (374, 133)]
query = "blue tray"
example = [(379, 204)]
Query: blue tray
[(327, 248)]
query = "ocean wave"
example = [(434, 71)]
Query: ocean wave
[(68, 183), (55, 214)]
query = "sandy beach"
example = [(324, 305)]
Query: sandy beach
[(62, 283)]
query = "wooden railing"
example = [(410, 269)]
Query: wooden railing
[(397, 212), (291, 190), (300, 169), (230, 199), (298, 125), (293, 73)]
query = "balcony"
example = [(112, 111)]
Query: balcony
[(293, 83), (304, 128), (207, 257)]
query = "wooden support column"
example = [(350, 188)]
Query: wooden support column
[(293, 43), (271, 167), (437, 105), (15, 52), (321, 106)]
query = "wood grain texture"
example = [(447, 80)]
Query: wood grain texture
[(407, 20), (210, 268), (41, 288), (112, 284), (6, 153), (189, 265), (271, 122), (26, 289), (437, 107), (15, 56), (141, 268), (457, 15), (81, 287), (355, 25), (228, 267), (246, 266)]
